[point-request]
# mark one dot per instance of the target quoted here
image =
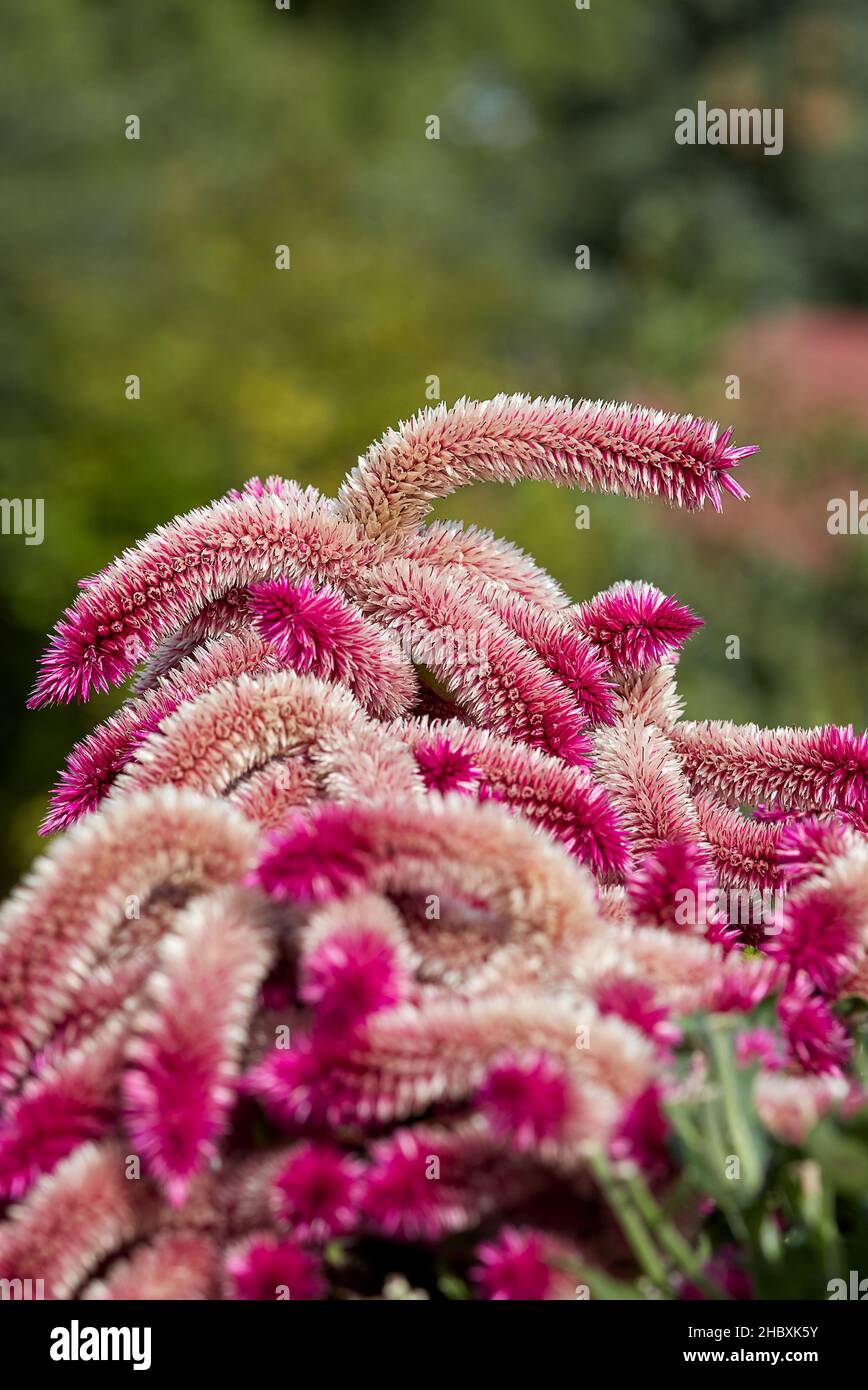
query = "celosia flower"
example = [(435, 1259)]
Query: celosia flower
[(433, 977), (524, 1266), (317, 1192), (426, 1182), (638, 767), (527, 1098), (266, 1267), (486, 666), (802, 769), (759, 1045), (744, 852), (816, 1039), (317, 632), (183, 1057), (642, 1135), (819, 936), (317, 858), (350, 974), (611, 448), (670, 886), (634, 625), (446, 766), (635, 1001), (806, 847), (564, 801)]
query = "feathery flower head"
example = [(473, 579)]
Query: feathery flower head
[(591, 444), (669, 887), (317, 632), (806, 846), (266, 1267), (635, 1001), (522, 1266), (446, 766), (642, 1134), (317, 1192), (317, 857), (759, 1045), (527, 1098), (635, 625), (816, 1039), (818, 936), (743, 983), (351, 974)]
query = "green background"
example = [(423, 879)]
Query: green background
[(414, 258)]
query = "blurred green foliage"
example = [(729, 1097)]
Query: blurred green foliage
[(414, 258)]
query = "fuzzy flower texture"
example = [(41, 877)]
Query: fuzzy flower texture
[(381, 901)]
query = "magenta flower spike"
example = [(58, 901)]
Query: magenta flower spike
[(634, 625), (183, 1055), (564, 801), (164, 582), (317, 632), (805, 770), (527, 1266)]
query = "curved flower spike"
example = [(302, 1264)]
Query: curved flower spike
[(60, 922), (672, 877), (492, 673), (153, 590), (637, 765), (318, 632), (222, 616), (609, 448), (94, 764), (801, 769), (474, 1172), (652, 695), (66, 1103), (825, 925), (74, 1218), (449, 545), (183, 1053), (407, 1059), (634, 625), (744, 851), (447, 847), (356, 960), (176, 1266), (585, 673), (239, 727), (807, 847), (564, 801)]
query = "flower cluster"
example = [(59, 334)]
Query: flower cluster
[(380, 901)]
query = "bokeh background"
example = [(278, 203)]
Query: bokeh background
[(414, 258)]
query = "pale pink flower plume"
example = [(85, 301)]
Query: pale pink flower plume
[(184, 1052), (803, 770), (608, 448)]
